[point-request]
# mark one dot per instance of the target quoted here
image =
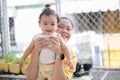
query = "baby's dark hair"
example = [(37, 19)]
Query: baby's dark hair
[(47, 11)]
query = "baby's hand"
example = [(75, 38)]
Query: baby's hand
[(71, 64), (21, 63)]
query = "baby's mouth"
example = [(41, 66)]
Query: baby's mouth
[(48, 31)]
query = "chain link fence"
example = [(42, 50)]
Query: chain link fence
[(100, 22), (105, 41)]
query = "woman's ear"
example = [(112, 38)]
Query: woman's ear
[(38, 21)]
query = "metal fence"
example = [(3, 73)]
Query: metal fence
[(100, 22), (105, 23)]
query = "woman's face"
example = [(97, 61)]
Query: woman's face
[(65, 28)]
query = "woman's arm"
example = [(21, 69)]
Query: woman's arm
[(59, 72), (33, 67), (62, 70)]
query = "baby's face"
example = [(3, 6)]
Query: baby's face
[(48, 24)]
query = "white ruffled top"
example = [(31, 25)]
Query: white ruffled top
[(47, 56)]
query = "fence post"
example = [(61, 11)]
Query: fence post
[(58, 6), (5, 34)]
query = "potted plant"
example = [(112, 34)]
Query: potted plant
[(3, 66), (14, 65), (78, 69), (4, 63), (87, 65)]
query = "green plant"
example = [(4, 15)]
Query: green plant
[(8, 58), (78, 62), (87, 65), (87, 62), (11, 59), (16, 60)]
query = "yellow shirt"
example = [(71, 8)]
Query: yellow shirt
[(69, 72)]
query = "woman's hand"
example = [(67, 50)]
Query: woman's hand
[(54, 45), (40, 43)]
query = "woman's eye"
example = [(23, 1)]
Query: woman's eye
[(60, 26), (52, 24), (69, 29)]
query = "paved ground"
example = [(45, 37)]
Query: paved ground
[(87, 77), (93, 74), (101, 74)]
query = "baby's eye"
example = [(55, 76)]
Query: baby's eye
[(44, 23)]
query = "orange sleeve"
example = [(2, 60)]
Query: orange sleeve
[(31, 54)]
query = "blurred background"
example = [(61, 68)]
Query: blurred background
[(96, 33)]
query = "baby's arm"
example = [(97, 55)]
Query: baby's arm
[(66, 51), (26, 53)]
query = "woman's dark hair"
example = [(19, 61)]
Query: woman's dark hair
[(67, 19), (47, 11)]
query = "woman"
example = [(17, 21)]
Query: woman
[(61, 69)]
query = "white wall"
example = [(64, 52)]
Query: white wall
[(26, 24)]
